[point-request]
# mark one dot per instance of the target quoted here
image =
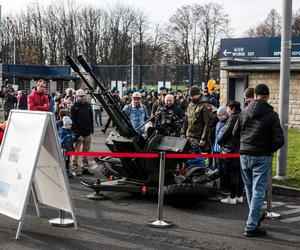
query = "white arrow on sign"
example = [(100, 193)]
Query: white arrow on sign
[(226, 53)]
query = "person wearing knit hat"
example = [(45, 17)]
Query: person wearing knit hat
[(248, 96), (222, 111), (67, 122), (66, 140), (216, 148), (198, 123)]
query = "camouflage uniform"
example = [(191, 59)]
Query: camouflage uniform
[(8, 103), (158, 103), (124, 101), (198, 123), (170, 119), (182, 103)]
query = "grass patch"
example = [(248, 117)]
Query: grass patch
[(293, 161)]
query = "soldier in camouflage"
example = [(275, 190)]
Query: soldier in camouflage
[(198, 121), (8, 100)]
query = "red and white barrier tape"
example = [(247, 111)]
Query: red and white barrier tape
[(152, 155)]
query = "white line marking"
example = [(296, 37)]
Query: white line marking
[(294, 219), (293, 211)]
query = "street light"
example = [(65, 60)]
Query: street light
[(132, 60)]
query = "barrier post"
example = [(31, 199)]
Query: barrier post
[(61, 221), (159, 222), (270, 214)]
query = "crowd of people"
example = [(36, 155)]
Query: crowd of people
[(195, 114)]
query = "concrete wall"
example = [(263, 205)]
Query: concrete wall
[(273, 82)]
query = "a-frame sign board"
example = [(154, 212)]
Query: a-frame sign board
[(31, 159)]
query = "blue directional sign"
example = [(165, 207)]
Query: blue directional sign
[(256, 47)]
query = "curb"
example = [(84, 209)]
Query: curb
[(283, 190)]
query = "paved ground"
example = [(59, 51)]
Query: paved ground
[(120, 223)]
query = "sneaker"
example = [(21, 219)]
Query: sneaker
[(76, 173), (86, 172), (229, 200), (255, 233), (240, 199)]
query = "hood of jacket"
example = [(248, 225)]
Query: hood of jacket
[(258, 109)]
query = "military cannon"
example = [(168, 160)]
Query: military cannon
[(140, 175)]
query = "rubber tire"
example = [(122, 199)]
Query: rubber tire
[(109, 169), (183, 193)]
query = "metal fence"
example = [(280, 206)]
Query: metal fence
[(145, 75)]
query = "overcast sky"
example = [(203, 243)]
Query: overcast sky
[(242, 13)]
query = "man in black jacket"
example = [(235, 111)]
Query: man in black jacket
[(260, 135), (82, 128)]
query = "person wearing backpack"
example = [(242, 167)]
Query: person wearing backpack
[(66, 140), (137, 112)]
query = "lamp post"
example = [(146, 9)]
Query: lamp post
[(284, 85), (132, 61)]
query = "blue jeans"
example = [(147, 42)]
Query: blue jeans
[(98, 117), (255, 174)]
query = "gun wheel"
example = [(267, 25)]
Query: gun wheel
[(182, 193)]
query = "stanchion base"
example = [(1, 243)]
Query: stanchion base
[(280, 177), (272, 215), (160, 223), (58, 222), (97, 196)]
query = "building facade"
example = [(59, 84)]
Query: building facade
[(237, 75)]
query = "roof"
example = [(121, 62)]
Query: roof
[(269, 67), (40, 76)]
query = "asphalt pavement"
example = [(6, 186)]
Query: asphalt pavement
[(121, 223)]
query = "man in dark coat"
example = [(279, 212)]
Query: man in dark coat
[(82, 128), (260, 135)]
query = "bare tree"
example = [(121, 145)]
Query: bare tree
[(270, 27), (296, 23), (215, 24), (194, 33), (53, 35)]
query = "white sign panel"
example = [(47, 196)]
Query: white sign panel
[(31, 153), (49, 180), (159, 85), (17, 161)]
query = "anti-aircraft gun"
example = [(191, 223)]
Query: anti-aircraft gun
[(139, 174)]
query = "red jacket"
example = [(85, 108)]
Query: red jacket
[(38, 101), (2, 130)]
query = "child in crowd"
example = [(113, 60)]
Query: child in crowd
[(223, 172), (66, 140), (62, 113)]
